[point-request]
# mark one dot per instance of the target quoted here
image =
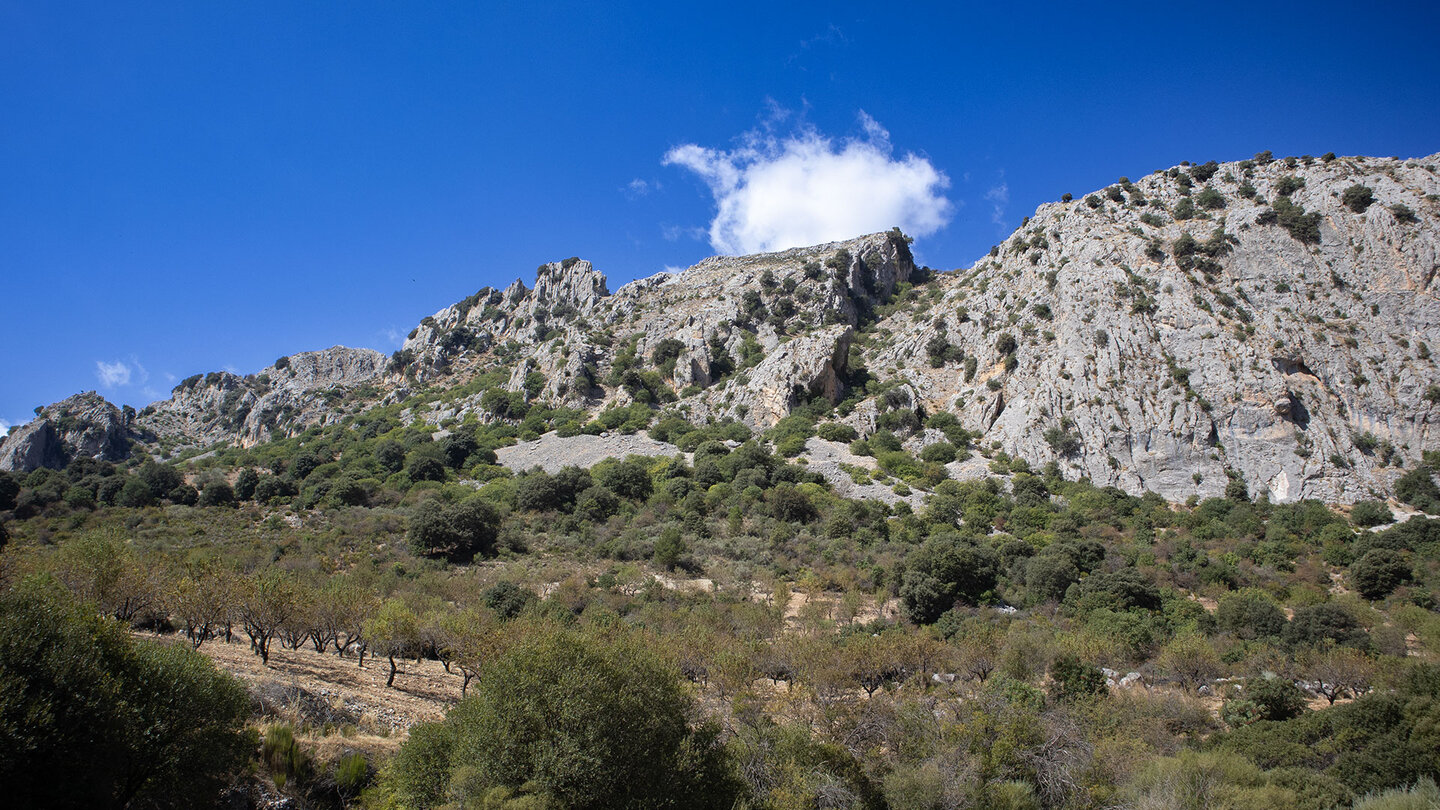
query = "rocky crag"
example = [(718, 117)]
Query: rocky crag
[(1268, 321)]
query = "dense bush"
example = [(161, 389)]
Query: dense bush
[(1357, 198), (1379, 572), (458, 532), (1418, 489), (945, 571), (90, 718), (1250, 614), (572, 719), (1313, 625), (1366, 514)]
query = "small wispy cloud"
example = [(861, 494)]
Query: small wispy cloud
[(121, 373), (112, 375), (674, 233), (806, 188), (638, 188), (672, 269), (4, 427), (393, 336), (999, 198), (832, 35)]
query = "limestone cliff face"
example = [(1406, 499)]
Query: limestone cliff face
[(300, 391), (1176, 351), (745, 336), (82, 426)]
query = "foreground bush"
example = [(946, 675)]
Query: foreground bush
[(568, 719), (90, 718)]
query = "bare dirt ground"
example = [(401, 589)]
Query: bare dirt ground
[(552, 452), (423, 691)]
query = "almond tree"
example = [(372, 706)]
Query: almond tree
[(1191, 659), (201, 601), (102, 571), (267, 603), (473, 639), (393, 632), (1339, 671), (979, 651)]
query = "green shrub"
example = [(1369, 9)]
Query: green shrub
[(1072, 679), (91, 717), (572, 720), (1403, 214), (1288, 184), (1250, 614), (1062, 441), (939, 452), (1357, 198), (1211, 199), (1277, 698), (1379, 572), (943, 572), (898, 463), (1367, 514), (1416, 488), (1204, 171), (791, 446), (1301, 226)]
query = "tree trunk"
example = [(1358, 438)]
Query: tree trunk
[(390, 682)]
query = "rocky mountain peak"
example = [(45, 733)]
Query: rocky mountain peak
[(572, 282), (80, 426)]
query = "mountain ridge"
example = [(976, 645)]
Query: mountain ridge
[(1202, 324)]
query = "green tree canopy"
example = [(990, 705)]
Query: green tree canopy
[(592, 719), (90, 718)]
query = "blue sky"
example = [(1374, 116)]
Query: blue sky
[(187, 187)]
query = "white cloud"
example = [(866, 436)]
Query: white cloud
[(4, 427), (804, 189), (114, 374), (639, 188), (999, 197)]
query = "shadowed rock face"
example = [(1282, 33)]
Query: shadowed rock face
[(1270, 332), (83, 426)]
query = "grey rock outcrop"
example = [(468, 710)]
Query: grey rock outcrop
[(750, 336), (1178, 353), (300, 391), (82, 426)]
